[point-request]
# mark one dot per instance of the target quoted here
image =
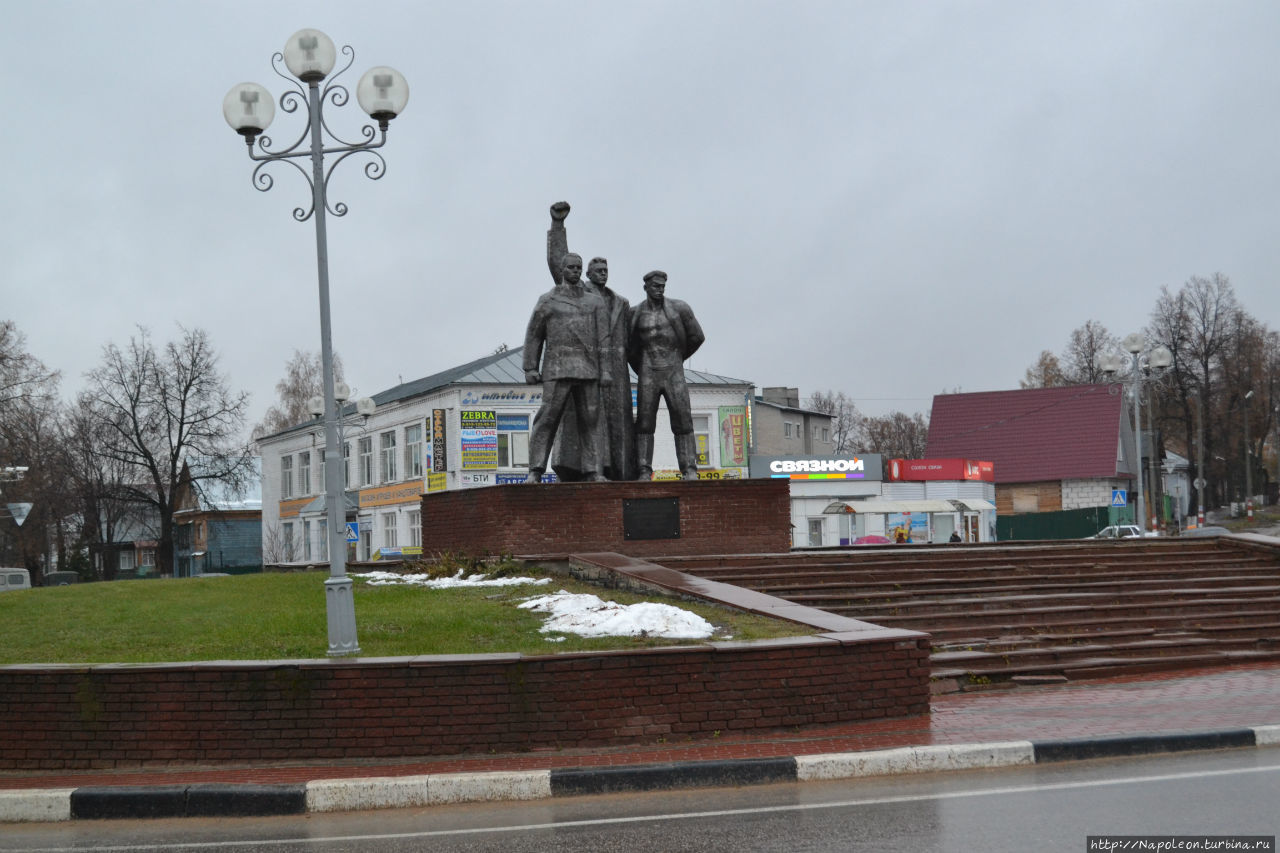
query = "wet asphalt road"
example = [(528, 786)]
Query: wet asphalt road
[(1038, 808)]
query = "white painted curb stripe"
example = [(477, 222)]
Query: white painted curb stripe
[(473, 787), (1266, 735), (913, 759), (47, 804), (396, 792), (375, 792)]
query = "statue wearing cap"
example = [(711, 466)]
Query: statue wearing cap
[(663, 334)]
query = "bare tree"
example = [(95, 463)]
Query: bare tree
[(162, 408), (1196, 323), (846, 420), (29, 458), (23, 378), (303, 379), (1045, 373), (897, 435), (1080, 359)]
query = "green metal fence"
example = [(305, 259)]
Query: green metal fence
[(1067, 524)]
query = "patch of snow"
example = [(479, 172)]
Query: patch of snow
[(588, 616), (393, 579)]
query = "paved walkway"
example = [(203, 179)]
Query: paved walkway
[(1184, 701)]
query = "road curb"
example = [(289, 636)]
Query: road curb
[(332, 795)]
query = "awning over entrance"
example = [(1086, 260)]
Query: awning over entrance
[(887, 507), (973, 504)]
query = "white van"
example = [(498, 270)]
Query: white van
[(14, 579)]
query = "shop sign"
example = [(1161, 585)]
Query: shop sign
[(439, 456), (512, 479), (864, 466), (733, 435), (397, 493), (920, 470), (522, 395), (703, 474), (512, 423), (472, 478), (437, 482), (478, 438), (289, 509)]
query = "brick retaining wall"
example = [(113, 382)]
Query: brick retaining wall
[(716, 517), (70, 717)]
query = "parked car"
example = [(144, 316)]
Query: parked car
[(1117, 531), (14, 579), (60, 578), (1207, 531)]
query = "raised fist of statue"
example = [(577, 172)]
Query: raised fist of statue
[(559, 211)]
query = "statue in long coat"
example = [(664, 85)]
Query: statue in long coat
[(615, 439)]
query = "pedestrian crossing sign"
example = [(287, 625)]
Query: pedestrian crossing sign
[(1119, 497)]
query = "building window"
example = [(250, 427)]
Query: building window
[(389, 537), (322, 540), (366, 461), (413, 451), (346, 464), (366, 540), (415, 528), (286, 477), (786, 429), (815, 531), (388, 453), (324, 475), (826, 434), (286, 541), (306, 540), (513, 441), (304, 473), (702, 439), (147, 558), (513, 450), (126, 560)]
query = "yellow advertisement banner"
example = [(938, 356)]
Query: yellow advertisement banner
[(703, 474), (437, 482), (289, 509), (398, 493)]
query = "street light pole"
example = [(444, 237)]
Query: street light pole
[(309, 55), (1200, 480), (1248, 467), (1156, 359)]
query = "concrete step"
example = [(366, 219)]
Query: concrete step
[(952, 679), (1019, 607), (903, 595)]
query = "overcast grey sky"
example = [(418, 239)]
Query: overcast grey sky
[(886, 198)]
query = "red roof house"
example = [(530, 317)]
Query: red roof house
[(1053, 448)]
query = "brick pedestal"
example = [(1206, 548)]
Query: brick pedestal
[(715, 517)]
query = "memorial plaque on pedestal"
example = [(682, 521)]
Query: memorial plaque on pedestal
[(651, 518)]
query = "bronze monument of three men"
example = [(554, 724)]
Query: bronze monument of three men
[(582, 336)]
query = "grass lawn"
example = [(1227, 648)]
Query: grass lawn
[(268, 616)]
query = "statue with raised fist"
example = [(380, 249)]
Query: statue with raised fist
[(615, 437), (562, 351)]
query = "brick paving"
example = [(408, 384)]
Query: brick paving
[(1182, 701)]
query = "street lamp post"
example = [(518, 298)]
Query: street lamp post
[(309, 55), (1200, 482), (1156, 359), (1248, 467)]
